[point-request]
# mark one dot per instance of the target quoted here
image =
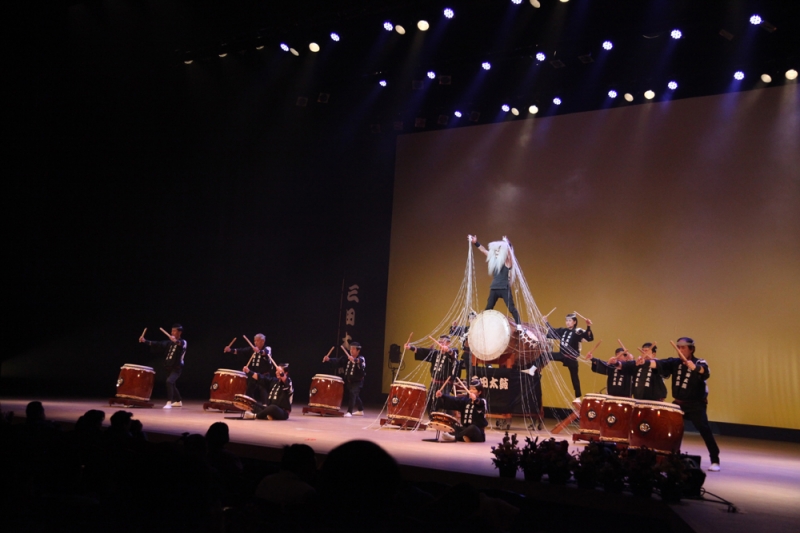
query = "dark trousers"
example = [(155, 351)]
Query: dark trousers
[(355, 403), (697, 414), (172, 391), (471, 432), (572, 364), (506, 296), (256, 391), (273, 412)]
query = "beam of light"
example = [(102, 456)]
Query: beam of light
[(612, 93), (738, 75)]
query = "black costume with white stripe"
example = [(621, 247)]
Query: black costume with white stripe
[(647, 382), (617, 383), (259, 363), (473, 416), (570, 340), (279, 397)]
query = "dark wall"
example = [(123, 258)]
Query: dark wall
[(144, 192)]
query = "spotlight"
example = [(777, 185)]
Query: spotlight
[(388, 26), (284, 47), (791, 74), (608, 45), (612, 93), (515, 111), (335, 37), (399, 29), (423, 25), (676, 34), (260, 47), (294, 52), (314, 47), (628, 97), (448, 13), (755, 20), (672, 85), (766, 78), (536, 4), (505, 108), (564, 1), (486, 65), (457, 114), (533, 110), (431, 74), (518, 2), (649, 94), (382, 83), (557, 100), (738, 75), (540, 56)]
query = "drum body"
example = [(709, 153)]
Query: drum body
[(493, 336), (135, 382), (656, 425), (326, 391), (443, 422), (592, 413), (406, 401), (226, 385), (243, 402), (615, 422)]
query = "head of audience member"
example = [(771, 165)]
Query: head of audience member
[(299, 458), (121, 422), (34, 412), (217, 436), (90, 422)]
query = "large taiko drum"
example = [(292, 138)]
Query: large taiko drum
[(226, 385), (591, 413), (406, 402), (615, 422), (135, 382), (493, 336), (326, 392), (656, 425)]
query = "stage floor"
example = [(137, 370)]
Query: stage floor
[(762, 478)]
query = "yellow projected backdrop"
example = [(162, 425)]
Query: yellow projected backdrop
[(656, 221)]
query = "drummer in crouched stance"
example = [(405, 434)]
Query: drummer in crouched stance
[(473, 413), (279, 391)]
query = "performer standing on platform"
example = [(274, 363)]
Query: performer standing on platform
[(570, 338), (500, 268), (444, 365), (260, 362), (647, 381), (618, 384), (280, 393), (175, 349), (473, 413), (354, 366), (690, 391)]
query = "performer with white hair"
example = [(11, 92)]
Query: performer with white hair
[(499, 258), (259, 363)]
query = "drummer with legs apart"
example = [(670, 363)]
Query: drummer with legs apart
[(175, 349), (280, 393), (570, 338), (354, 366), (500, 268), (444, 365), (473, 413), (260, 362), (617, 384)]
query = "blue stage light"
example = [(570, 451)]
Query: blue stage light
[(612, 93), (608, 45), (457, 114), (388, 26), (486, 65), (755, 20), (431, 74), (448, 13), (676, 34), (382, 83), (505, 108), (672, 85), (540, 56), (284, 47), (739, 75), (335, 37), (557, 100)]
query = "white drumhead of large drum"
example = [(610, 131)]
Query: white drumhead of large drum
[(138, 367), (409, 385), (489, 335), (228, 371), (328, 376)]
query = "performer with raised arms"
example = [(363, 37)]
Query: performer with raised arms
[(501, 269), (570, 338), (175, 349), (444, 364), (648, 383), (354, 366), (473, 413), (280, 393), (260, 362), (618, 384)]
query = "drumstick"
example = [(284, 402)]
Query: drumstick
[(580, 315), (255, 351), (677, 350), (145, 331), (622, 346), (165, 333), (550, 313), (329, 353), (445, 384), (231, 344), (345, 350), (404, 346), (591, 352)]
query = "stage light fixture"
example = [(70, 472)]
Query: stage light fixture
[(515, 111), (486, 65), (612, 93), (766, 78), (335, 36), (791, 74), (649, 94), (448, 13), (557, 100), (628, 97), (399, 29), (505, 108), (533, 110), (676, 34), (518, 2), (755, 20), (608, 45), (423, 25), (284, 47), (738, 75), (314, 47), (457, 114), (294, 52), (540, 56), (672, 85), (260, 47), (388, 26), (564, 1), (382, 83), (431, 74), (536, 4)]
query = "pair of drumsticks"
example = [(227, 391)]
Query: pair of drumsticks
[(255, 351), (162, 331)]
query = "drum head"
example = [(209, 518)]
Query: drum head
[(489, 335)]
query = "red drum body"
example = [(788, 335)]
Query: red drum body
[(443, 422), (615, 422), (406, 401), (326, 392), (592, 413), (226, 385), (494, 337), (243, 402), (135, 382), (657, 425)]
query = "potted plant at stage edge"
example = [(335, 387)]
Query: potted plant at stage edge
[(506, 456), (531, 461)]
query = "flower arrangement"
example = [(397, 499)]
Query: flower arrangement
[(507, 455)]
